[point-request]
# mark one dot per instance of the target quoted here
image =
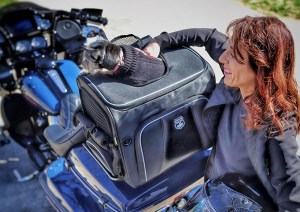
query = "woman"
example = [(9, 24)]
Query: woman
[(253, 114)]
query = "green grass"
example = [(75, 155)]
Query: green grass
[(284, 8), (6, 2)]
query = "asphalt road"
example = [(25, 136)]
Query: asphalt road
[(141, 18), (14, 195)]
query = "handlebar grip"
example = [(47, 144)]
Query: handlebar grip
[(98, 19)]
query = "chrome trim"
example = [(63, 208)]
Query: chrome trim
[(57, 80)]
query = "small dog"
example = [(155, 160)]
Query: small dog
[(126, 63), (101, 57)]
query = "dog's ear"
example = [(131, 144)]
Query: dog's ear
[(89, 63), (98, 50)]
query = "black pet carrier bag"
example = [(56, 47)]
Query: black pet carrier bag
[(137, 133)]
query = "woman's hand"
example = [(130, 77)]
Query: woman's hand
[(152, 49)]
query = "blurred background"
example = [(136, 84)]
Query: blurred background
[(141, 18)]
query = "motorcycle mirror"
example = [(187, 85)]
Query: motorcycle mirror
[(90, 31), (93, 15), (93, 11)]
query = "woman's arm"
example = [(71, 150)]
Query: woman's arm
[(285, 169), (215, 43)]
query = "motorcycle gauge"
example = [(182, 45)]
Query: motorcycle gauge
[(38, 42), (23, 46), (42, 23)]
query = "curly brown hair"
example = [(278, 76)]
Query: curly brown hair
[(270, 47)]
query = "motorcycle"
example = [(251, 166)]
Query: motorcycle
[(39, 58), (70, 130)]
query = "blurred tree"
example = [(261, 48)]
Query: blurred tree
[(285, 8)]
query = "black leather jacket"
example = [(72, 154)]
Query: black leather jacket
[(274, 158)]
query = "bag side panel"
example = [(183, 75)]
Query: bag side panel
[(168, 138)]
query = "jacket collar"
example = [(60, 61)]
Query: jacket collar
[(223, 95)]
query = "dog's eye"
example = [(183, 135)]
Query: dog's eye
[(94, 55), (89, 55)]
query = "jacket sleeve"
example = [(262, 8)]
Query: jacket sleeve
[(285, 169), (215, 43)]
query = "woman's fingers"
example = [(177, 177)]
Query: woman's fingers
[(152, 49)]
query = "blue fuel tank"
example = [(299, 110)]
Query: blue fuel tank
[(45, 88)]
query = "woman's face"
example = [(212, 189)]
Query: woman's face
[(237, 74)]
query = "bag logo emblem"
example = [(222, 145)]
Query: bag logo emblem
[(179, 123)]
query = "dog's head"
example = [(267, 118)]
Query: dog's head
[(100, 56)]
